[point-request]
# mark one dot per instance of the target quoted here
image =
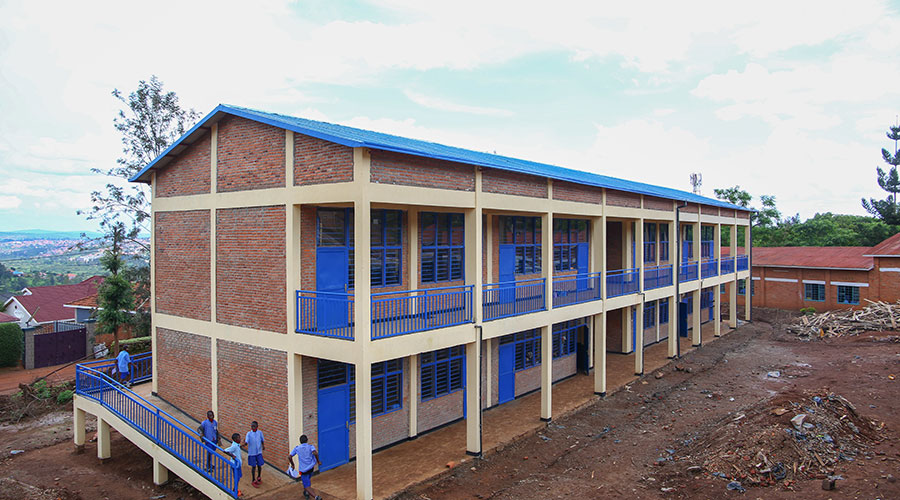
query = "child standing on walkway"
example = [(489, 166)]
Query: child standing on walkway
[(255, 444), (234, 451), (307, 460)]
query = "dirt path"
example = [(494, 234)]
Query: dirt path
[(636, 443)]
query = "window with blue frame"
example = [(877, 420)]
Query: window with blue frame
[(689, 301), (387, 246), (387, 384), (722, 288), (443, 247), (742, 287), (649, 315), (663, 311), (847, 294), (567, 235), (441, 372), (527, 347), (752, 288), (814, 292), (649, 242), (687, 243), (663, 242), (525, 234), (335, 229), (707, 233), (565, 338)]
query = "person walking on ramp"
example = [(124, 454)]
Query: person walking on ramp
[(255, 444), (307, 460)]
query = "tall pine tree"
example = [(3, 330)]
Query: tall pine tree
[(115, 297), (887, 209)]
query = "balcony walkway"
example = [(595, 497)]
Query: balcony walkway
[(412, 462)]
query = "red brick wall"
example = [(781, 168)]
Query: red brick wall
[(395, 168), (888, 282), (390, 427), (726, 212), (250, 267), (187, 174), (622, 199), (708, 210), (568, 191), (614, 327), (692, 208), (250, 155), (182, 274), (792, 296), (653, 203), (742, 215), (252, 385), (310, 418), (184, 370), (614, 257), (528, 380), (504, 182), (317, 161), (563, 367), (439, 411)]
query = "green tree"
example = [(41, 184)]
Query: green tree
[(887, 209), (11, 344), (115, 296), (152, 120)]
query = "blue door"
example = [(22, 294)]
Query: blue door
[(506, 259), (683, 307), (332, 311), (634, 335), (584, 261), (334, 432), (711, 301), (507, 372)]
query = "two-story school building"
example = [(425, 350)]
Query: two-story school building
[(364, 288)]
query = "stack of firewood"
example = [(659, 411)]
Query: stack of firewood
[(875, 317)]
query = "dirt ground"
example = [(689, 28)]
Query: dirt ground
[(657, 438), (648, 440)]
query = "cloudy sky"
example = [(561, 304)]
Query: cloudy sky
[(785, 98)]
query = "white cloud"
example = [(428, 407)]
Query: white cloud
[(444, 105), (10, 202)]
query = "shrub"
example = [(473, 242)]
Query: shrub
[(64, 396), (41, 389), (11, 343)]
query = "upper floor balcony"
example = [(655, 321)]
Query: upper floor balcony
[(742, 262), (688, 271), (727, 265), (709, 268)]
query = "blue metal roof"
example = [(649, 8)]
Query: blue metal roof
[(354, 137)]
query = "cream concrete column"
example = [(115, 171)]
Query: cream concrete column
[(748, 296), (154, 382), (546, 373), (732, 303), (489, 255), (474, 240), (547, 257), (673, 327), (639, 250), (413, 229), (293, 270), (362, 314), (717, 306), (213, 343), (696, 338), (732, 247), (78, 430), (295, 396), (589, 339), (673, 300), (160, 473), (639, 339), (473, 398), (413, 395), (102, 439), (600, 355)]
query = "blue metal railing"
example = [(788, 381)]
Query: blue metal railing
[(688, 271), (657, 276), (329, 314), (727, 265), (743, 262), (512, 298), (622, 282), (709, 267), (163, 429), (575, 289), (409, 311), (141, 367)]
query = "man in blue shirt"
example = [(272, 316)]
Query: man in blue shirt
[(209, 431), (307, 459), (123, 365), (255, 444)]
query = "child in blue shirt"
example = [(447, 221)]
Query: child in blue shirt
[(255, 444), (234, 451)]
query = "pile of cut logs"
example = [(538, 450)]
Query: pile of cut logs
[(875, 317)]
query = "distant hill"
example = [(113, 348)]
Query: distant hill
[(42, 234)]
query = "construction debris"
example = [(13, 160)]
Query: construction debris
[(808, 438), (875, 317)]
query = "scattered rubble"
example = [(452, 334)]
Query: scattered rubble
[(875, 317), (805, 439)]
